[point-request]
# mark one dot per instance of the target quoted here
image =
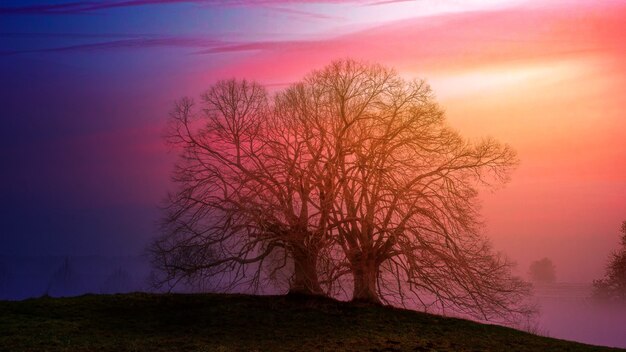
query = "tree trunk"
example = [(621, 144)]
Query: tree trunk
[(365, 274), (305, 281)]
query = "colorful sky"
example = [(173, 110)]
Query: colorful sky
[(87, 85)]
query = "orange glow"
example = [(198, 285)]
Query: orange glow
[(549, 81)]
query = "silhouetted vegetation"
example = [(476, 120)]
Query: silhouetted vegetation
[(350, 181), (613, 285), (65, 281), (143, 322), (5, 278), (542, 271), (119, 281)]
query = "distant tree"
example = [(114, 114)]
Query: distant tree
[(613, 285), (5, 278), (542, 271), (65, 281), (119, 281)]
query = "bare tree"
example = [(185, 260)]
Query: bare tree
[(613, 285), (65, 281), (5, 279), (244, 194), (119, 281), (403, 187), (349, 180)]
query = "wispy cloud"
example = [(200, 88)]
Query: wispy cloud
[(74, 35), (81, 7), (254, 46), (446, 42), (435, 40), (131, 43), (306, 14), (386, 2)]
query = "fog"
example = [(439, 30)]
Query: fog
[(60, 276), (85, 103), (566, 310)]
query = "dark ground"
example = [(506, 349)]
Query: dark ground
[(211, 322)]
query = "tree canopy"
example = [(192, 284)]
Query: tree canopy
[(348, 182)]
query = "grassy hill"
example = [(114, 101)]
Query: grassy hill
[(211, 322)]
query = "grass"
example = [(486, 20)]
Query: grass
[(212, 322)]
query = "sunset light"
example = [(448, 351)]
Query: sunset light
[(278, 147)]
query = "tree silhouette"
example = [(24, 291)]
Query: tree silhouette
[(542, 271), (65, 281), (613, 285), (404, 198), (119, 281), (245, 199), (5, 279), (349, 176)]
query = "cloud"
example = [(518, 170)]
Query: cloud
[(130, 43), (74, 35), (386, 2), (260, 46), (80, 7), (460, 39), (444, 40), (306, 14)]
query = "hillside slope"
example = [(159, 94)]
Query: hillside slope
[(211, 322)]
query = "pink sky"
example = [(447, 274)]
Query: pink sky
[(549, 80), (91, 86), (87, 86)]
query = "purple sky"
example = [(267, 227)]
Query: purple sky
[(87, 86)]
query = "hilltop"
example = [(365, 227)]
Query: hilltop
[(218, 322)]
